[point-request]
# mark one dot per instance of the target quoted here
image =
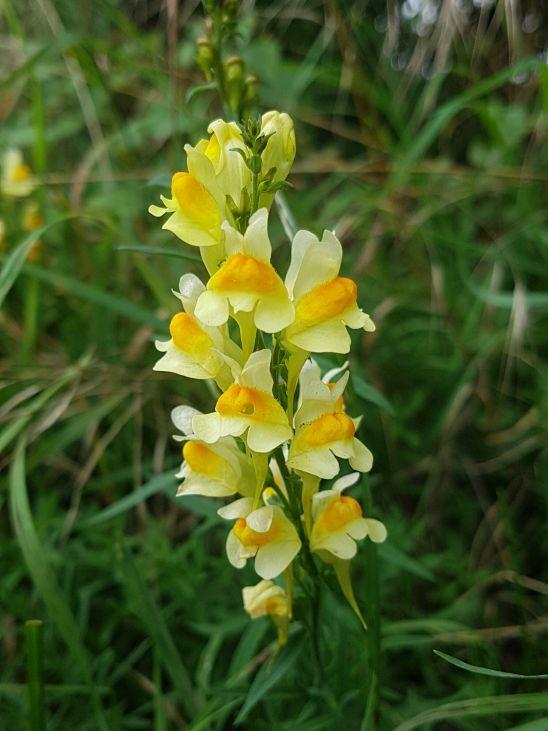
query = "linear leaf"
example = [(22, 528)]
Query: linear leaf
[(491, 705), (486, 671), (44, 578)]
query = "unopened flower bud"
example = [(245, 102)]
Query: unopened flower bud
[(234, 77), (251, 89), (204, 56)]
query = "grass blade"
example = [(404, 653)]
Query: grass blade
[(486, 671), (35, 674), (44, 578), (474, 707)]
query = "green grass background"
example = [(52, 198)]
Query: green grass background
[(420, 140)]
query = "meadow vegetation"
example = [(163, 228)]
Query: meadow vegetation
[(420, 141)]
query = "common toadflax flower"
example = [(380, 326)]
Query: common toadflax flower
[(277, 428)]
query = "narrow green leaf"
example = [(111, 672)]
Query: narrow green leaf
[(269, 675), (158, 251), (44, 578), (369, 393), (474, 707), (142, 602), (159, 483), (16, 258), (486, 671), (96, 296)]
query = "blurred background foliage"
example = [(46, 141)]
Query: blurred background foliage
[(420, 141)]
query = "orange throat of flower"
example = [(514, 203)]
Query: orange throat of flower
[(250, 403), (342, 511), (325, 302), (188, 336), (203, 460), (325, 430), (195, 202), (245, 274), (251, 538)]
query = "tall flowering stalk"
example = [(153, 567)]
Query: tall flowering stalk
[(279, 431)]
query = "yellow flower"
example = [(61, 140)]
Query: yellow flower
[(279, 152), (325, 303), (339, 523), (247, 281), (323, 430), (247, 406), (194, 349), (267, 598), (265, 534), (32, 218), (216, 470), (198, 197), (17, 179)]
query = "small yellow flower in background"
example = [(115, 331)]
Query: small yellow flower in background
[(17, 179), (339, 522), (325, 303), (247, 281), (323, 431), (268, 599), (247, 406), (265, 534), (32, 218), (194, 349)]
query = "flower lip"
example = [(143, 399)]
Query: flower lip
[(251, 538), (324, 430), (252, 403), (326, 301), (187, 335), (195, 200), (244, 273), (201, 459), (339, 513)]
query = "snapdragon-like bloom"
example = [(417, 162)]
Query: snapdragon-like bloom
[(339, 522), (265, 598), (194, 349), (265, 534), (17, 178), (247, 406), (212, 470), (247, 281), (324, 431), (198, 203), (325, 303)]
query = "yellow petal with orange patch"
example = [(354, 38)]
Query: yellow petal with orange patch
[(335, 516), (195, 201), (325, 430), (203, 460), (251, 538), (243, 273), (326, 301), (251, 403), (188, 335)]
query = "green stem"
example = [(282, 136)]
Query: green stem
[(373, 614), (35, 672)]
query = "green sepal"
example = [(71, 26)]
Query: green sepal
[(342, 572)]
